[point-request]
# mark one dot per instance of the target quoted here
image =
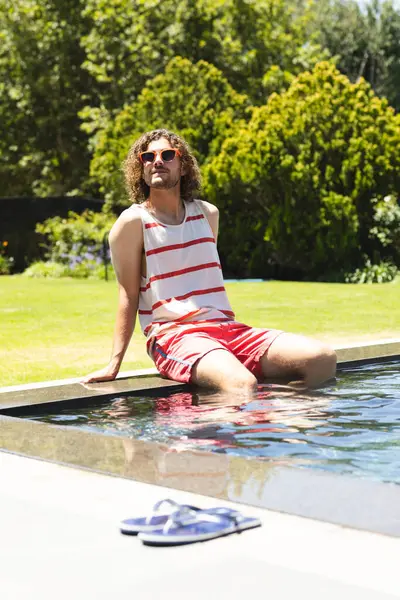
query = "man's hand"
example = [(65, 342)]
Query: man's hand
[(108, 373)]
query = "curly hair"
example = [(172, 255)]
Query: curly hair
[(137, 188)]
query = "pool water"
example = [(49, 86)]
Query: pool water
[(351, 426)]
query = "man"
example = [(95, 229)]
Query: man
[(165, 257)]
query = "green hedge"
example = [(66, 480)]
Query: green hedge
[(318, 169)]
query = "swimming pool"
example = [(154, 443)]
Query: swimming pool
[(351, 426)]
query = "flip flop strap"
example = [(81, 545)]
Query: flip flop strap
[(174, 508), (227, 513), (181, 518), (156, 508)]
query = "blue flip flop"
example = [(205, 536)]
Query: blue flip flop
[(160, 514), (239, 520), (187, 526)]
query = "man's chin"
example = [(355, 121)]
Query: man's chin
[(159, 180), (163, 183), (158, 185)]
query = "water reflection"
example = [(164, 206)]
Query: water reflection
[(352, 425)]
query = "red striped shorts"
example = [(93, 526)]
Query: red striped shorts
[(177, 351)]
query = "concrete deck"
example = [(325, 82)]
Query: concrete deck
[(60, 539)]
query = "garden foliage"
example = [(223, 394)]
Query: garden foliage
[(302, 157), (365, 39), (43, 150), (131, 41), (319, 169), (6, 261), (76, 246)]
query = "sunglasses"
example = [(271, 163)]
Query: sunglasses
[(167, 155)]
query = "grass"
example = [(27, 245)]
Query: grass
[(51, 329)]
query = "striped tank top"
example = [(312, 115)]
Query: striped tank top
[(184, 282)]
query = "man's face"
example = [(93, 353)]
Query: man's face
[(160, 174)]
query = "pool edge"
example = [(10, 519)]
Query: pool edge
[(321, 496)]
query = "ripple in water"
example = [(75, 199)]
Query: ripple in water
[(352, 426)]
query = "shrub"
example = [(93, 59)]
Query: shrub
[(313, 167), (6, 262), (84, 270), (384, 234), (46, 269), (383, 272), (90, 269), (76, 238), (77, 243)]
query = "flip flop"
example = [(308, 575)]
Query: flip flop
[(240, 520), (187, 526), (160, 514)]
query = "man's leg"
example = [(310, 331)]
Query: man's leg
[(220, 369), (301, 357), (195, 354)]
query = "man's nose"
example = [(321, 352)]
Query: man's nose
[(158, 160)]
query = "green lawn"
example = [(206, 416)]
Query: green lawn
[(51, 329)]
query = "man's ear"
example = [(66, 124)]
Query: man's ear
[(183, 170)]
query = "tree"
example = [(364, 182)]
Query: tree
[(42, 88), (312, 168), (131, 41), (366, 41), (63, 60), (390, 39)]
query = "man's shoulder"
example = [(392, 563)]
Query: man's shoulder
[(208, 208), (130, 216), (129, 222)]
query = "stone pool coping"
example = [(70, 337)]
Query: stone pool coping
[(348, 501), (146, 379)]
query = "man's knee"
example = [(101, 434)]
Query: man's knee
[(221, 370), (327, 356), (321, 363), (243, 382)]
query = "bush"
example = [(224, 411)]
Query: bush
[(84, 270), (46, 269), (78, 243), (384, 234), (313, 168), (6, 262), (383, 272), (90, 269)]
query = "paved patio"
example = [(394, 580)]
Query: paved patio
[(60, 539)]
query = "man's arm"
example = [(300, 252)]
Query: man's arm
[(212, 214), (126, 243)]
